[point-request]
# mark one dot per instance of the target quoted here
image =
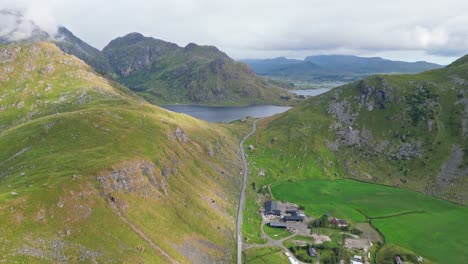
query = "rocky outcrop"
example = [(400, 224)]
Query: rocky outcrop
[(181, 136), (140, 177), (452, 169), (55, 251), (374, 96)]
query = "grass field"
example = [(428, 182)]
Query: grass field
[(432, 219), (276, 233), (265, 255)]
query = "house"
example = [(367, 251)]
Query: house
[(272, 208), (334, 221), (338, 222), (278, 224), (342, 223), (312, 252)]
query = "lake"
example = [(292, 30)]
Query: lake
[(227, 114), (311, 92)]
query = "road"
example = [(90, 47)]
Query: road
[(242, 195)]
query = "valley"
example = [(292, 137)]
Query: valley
[(148, 151), (67, 184)]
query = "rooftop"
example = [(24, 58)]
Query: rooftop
[(278, 224), (312, 252)]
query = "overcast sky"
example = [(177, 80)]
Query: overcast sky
[(409, 30)]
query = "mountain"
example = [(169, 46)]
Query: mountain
[(90, 172), (347, 63), (73, 45), (160, 71), (334, 67), (283, 67), (409, 131), (163, 72)]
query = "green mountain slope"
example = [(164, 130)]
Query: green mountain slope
[(163, 72), (409, 131), (91, 173)]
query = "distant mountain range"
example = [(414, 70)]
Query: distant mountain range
[(334, 67)]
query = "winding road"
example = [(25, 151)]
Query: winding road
[(242, 195)]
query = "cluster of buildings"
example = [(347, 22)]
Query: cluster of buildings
[(284, 213)]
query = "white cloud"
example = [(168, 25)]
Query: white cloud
[(254, 28), (19, 19)]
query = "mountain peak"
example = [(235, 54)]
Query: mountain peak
[(191, 46), (134, 36)]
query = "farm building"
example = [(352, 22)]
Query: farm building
[(294, 216), (278, 224), (272, 208)]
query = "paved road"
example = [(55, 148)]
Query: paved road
[(242, 195)]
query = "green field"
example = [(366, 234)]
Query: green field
[(276, 233), (265, 255), (428, 221)]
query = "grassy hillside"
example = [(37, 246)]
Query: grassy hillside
[(91, 173), (409, 131), (163, 72)]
